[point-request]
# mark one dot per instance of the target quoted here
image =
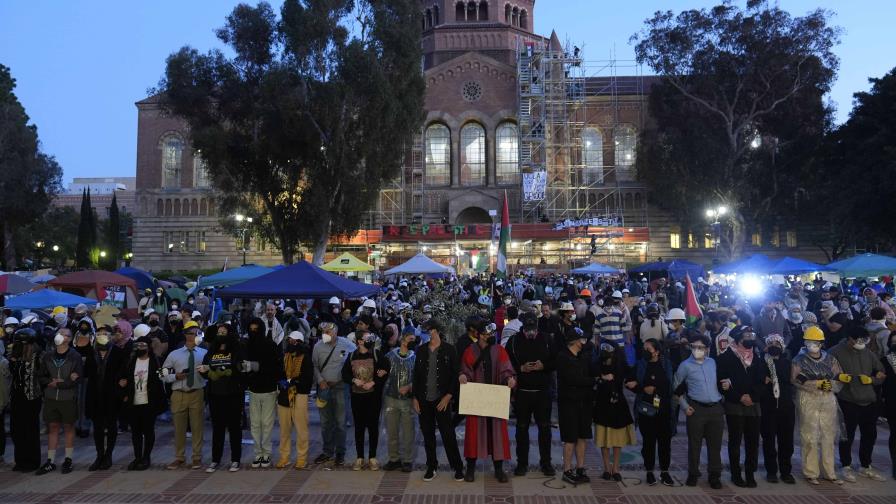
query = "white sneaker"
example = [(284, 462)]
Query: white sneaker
[(870, 473), (257, 462), (212, 467), (358, 465), (849, 475), (234, 467), (374, 464), (265, 463)]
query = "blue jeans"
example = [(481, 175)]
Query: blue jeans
[(332, 422)]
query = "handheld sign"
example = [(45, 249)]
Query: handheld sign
[(479, 399)]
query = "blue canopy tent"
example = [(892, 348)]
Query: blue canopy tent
[(143, 278), (45, 299), (865, 265), (756, 263), (677, 269), (596, 269), (794, 266), (301, 280), (234, 276)]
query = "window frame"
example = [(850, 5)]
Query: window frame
[(593, 173), (165, 169), (503, 175), (428, 159), (481, 161)]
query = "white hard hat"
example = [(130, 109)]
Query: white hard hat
[(296, 335), (626, 291), (196, 314), (334, 300), (370, 303), (29, 319), (81, 308), (141, 330), (566, 307), (617, 295), (11, 321), (675, 314)]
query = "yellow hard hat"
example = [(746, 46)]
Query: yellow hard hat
[(813, 334), (191, 325), (57, 311)]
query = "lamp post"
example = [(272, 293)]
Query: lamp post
[(243, 223), (39, 245), (714, 214)]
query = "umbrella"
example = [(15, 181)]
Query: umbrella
[(42, 279), (595, 269), (143, 278), (793, 266), (46, 299), (347, 262), (14, 284), (301, 280), (177, 293), (234, 276), (756, 263), (865, 265)]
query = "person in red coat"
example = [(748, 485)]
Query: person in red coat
[(486, 362)]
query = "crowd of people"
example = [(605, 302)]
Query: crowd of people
[(615, 355)]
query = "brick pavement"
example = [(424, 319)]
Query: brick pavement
[(344, 486)]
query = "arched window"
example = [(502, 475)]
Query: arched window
[(593, 156), (200, 171), (507, 11), (194, 207), (172, 152), (428, 18), (168, 207), (177, 207), (625, 140), (160, 207), (472, 155), (507, 154), (438, 155), (524, 19), (471, 11), (460, 12), (203, 206), (515, 17), (483, 11), (435, 15)]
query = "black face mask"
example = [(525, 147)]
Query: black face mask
[(369, 344), (775, 350), (413, 344), (153, 323), (141, 352), (84, 330), (491, 340), (893, 347), (748, 343)]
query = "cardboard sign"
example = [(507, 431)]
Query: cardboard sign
[(479, 399)]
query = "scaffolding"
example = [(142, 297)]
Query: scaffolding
[(568, 103)]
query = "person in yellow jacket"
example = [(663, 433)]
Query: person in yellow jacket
[(292, 399)]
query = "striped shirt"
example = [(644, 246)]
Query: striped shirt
[(610, 324)]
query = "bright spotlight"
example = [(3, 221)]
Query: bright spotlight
[(751, 286)]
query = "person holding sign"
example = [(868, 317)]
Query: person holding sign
[(486, 362)]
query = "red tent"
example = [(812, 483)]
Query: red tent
[(100, 285)]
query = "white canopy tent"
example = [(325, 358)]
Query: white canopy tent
[(420, 265)]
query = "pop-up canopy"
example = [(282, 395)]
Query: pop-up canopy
[(677, 269), (301, 280), (595, 269), (46, 299), (234, 276), (420, 265), (865, 265), (759, 264), (347, 262)]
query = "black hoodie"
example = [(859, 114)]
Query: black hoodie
[(269, 357)]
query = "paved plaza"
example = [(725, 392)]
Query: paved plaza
[(349, 487)]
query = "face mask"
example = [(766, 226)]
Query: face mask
[(190, 301), (893, 347), (369, 344), (775, 350), (58, 340), (813, 347), (141, 352), (583, 341), (600, 302), (153, 323), (411, 345), (572, 317), (859, 346), (748, 343), (326, 338), (699, 353), (174, 307), (84, 330), (491, 340)]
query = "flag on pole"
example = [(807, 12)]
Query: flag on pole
[(692, 311), (501, 266)]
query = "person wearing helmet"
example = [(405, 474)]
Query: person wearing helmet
[(187, 396), (677, 337), (862, 372), (25, 402), (653, 327), (10, 326), (778, 411), (83, 344), (814, 375), (486, 362), (292, 400), (532, 356), (60, 373), (702, 403), (226, 393)]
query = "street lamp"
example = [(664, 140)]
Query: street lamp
[(242, 230), (55, 248), (714, 214)]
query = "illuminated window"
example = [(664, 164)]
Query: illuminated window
[(775, 238), (791, 239), (507, 169), (593, 156), (756, 238), (625, 140), (438, 155), (692, 240), (172, 152), (709, 241), (472, 155), (200, 171), (200, 242), (675, 238)]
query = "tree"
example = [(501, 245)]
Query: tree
[(29, 178), (113, 234), (854, 175), (86, 254), (310, 117), (739, 109), (53, 229)]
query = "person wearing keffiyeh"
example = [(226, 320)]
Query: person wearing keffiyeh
[(778, 412)]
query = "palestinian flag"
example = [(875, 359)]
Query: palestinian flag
[(692, 310), (504, 241)]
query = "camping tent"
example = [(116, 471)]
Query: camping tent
[(757, 263), (11, 283), (301, 280), (234, 276), (794, 266), (420, 265), (97, 285), (595, 269), (347, 262), (676, 268), (144, 279), (45, 299), (865, 265)]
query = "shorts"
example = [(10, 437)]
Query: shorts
[(64, 412), (575, 419)]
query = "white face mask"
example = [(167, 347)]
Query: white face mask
[(58, 340), (859, 346), (699, 354), (326, 338), (813, 347), (572, 317)]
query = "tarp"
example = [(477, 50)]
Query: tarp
[(865, 265), (757, 263), (45, 299), (301, 280), (42, 279), (595, 269), (678, 269), (347, 262), (94, 284), (177, 293), (794, 266), (234, 276), (11, 283), (420, 265), (143, 278)]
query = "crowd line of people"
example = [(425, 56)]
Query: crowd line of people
[(615, 355)]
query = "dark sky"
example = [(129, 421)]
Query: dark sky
[(81, 65)]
